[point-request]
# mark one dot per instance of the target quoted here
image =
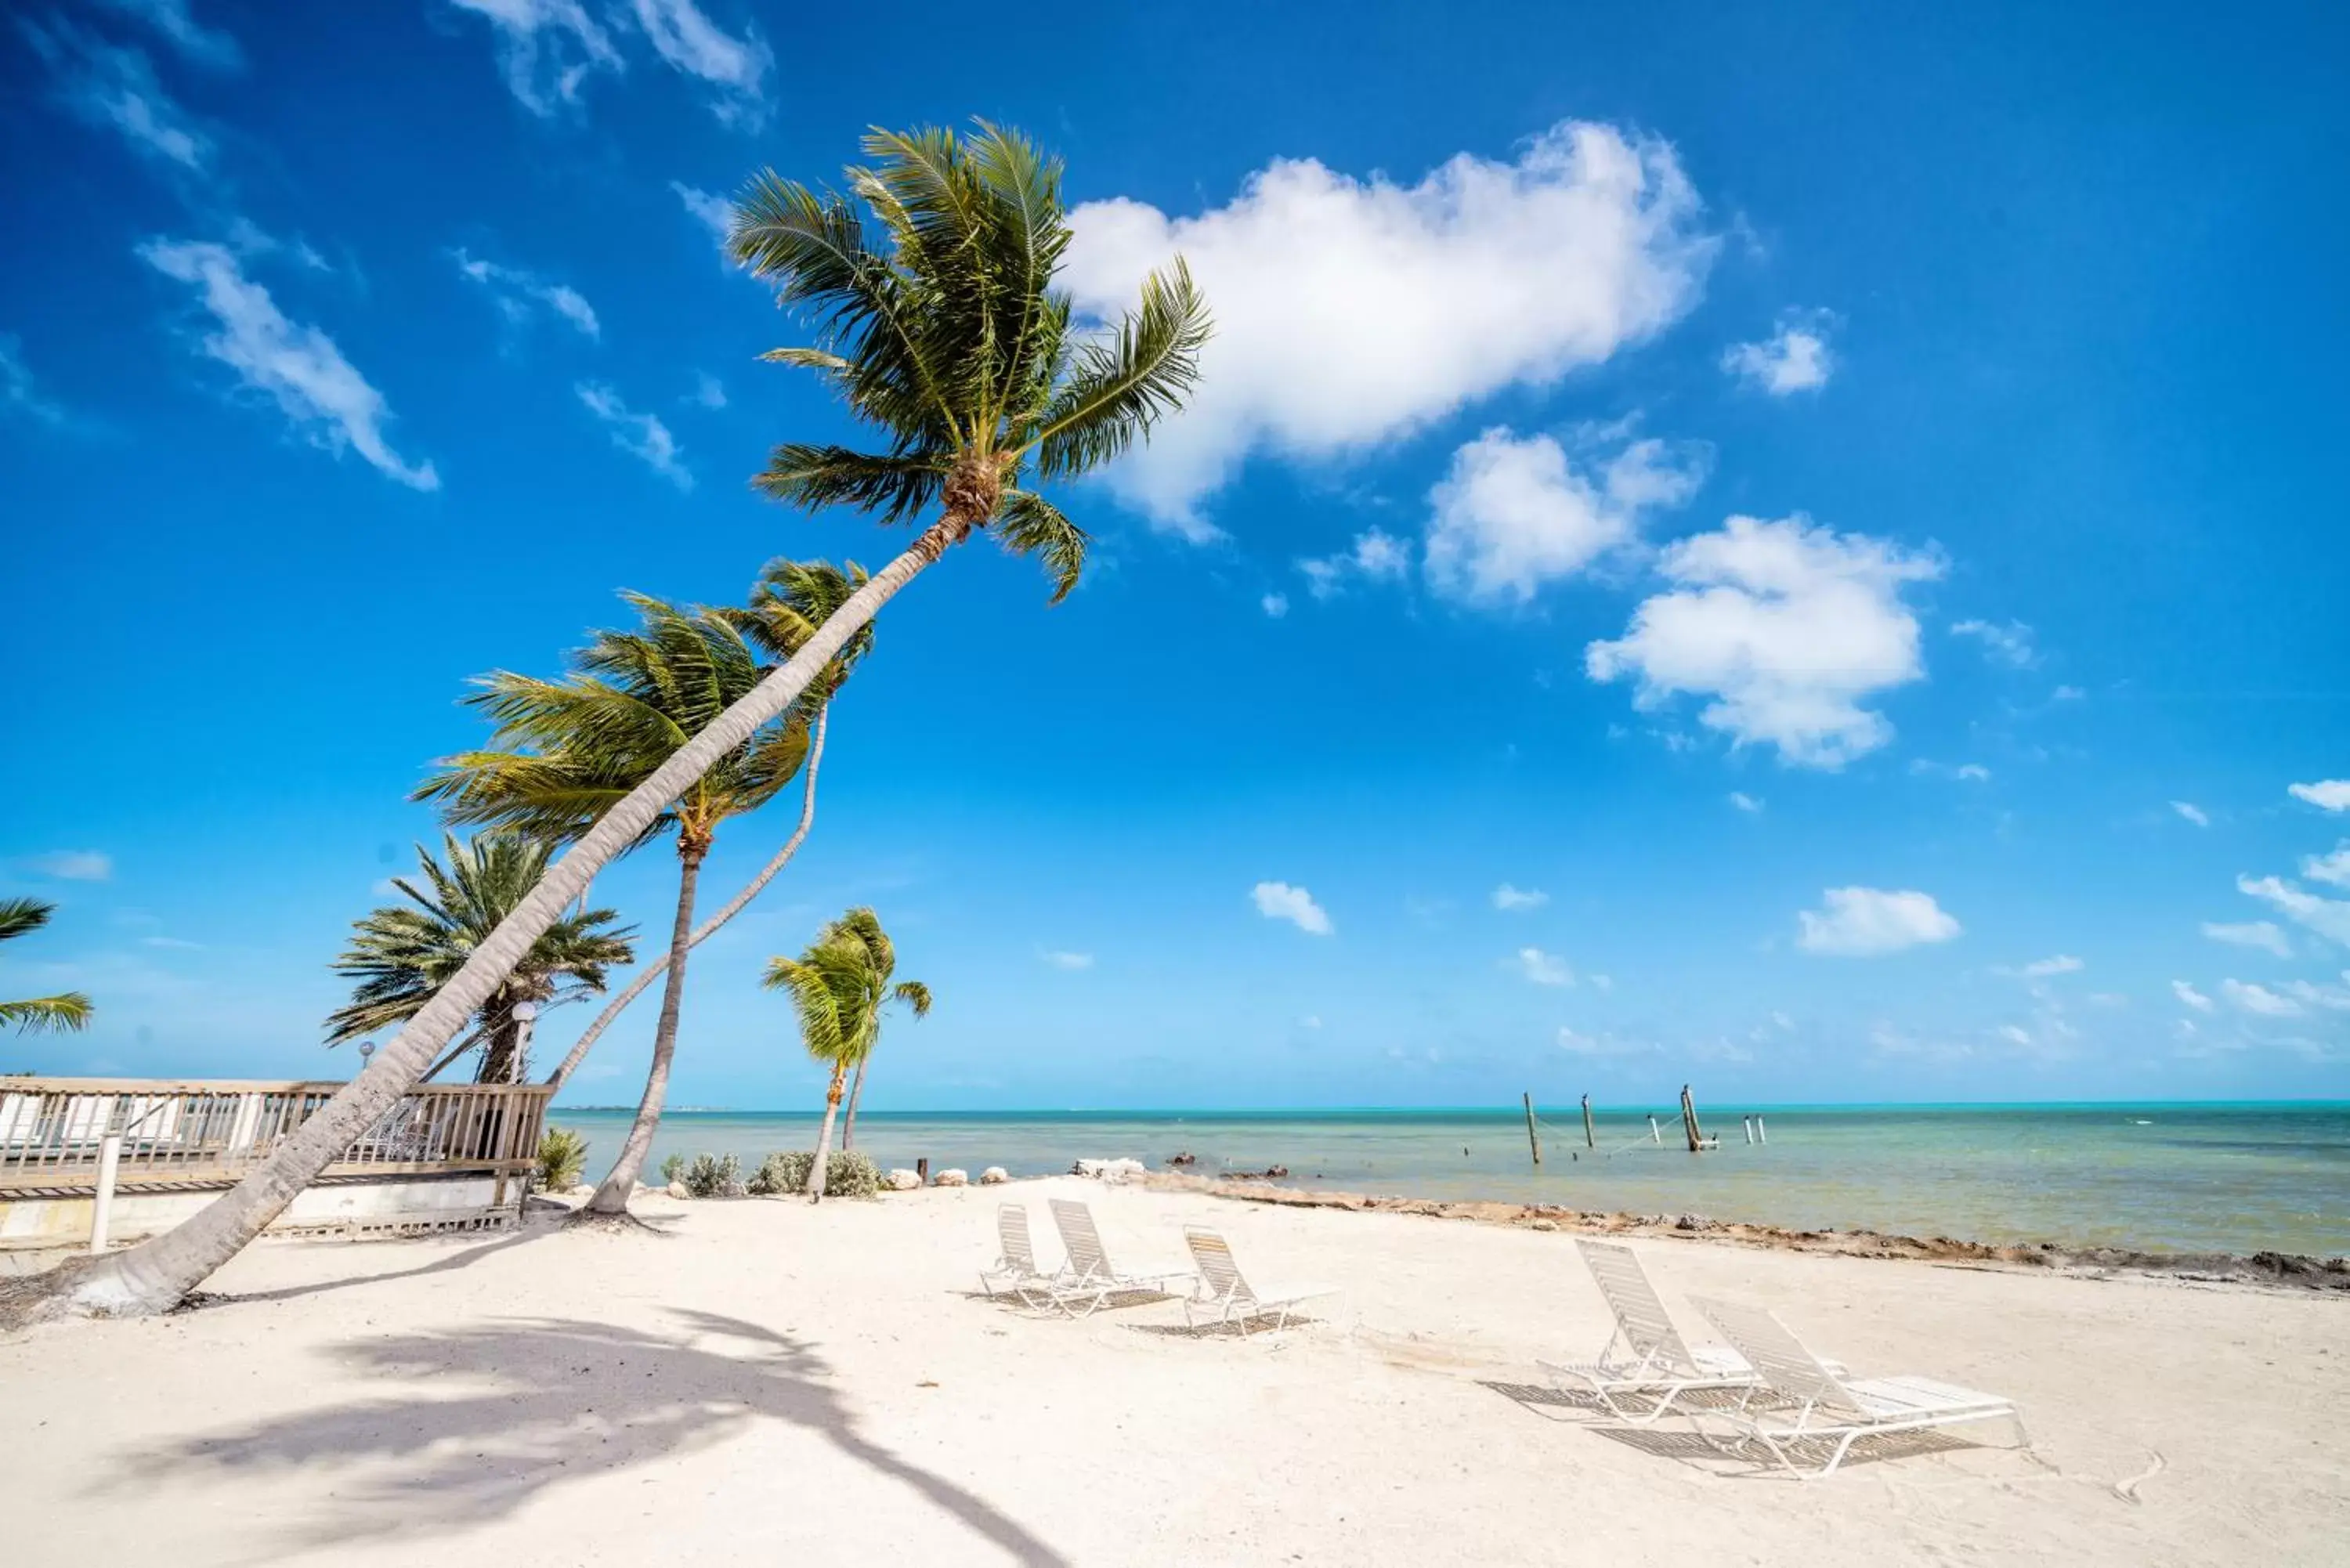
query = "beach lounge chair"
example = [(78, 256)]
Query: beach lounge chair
[(1225, 1296), (1646, 1356), (1015, 1272), (1823, 1407), (1089, 1278)]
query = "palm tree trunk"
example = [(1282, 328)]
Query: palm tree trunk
[(855, 1092), (612, 1197), (155, 1275), (733, 907), (498, 1063), (814, 1186)]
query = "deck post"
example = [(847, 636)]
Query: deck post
[(102, 1205), (1532, 1142), (1590, 1139)]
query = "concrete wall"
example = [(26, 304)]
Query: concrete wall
[(385, 1203)]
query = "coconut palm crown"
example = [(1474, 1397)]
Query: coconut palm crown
[(67, 1011), (839, 986), (928, 284), (401, 954)]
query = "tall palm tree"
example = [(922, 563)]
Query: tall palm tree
[(928, 286), (568, 751), (62, 1013), (793, 599), (401, 954), (839, 986)]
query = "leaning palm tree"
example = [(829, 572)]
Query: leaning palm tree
[(568, 751), (839, 986), (792, 600), (928, 285), (62, 1013), (401, 954)]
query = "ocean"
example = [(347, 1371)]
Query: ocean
[(2225, 1178)]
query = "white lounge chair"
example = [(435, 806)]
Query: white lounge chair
[(1089, 1278), (1646, 1356), (1225, 1296), (1015, 1272), (1824, 1406)]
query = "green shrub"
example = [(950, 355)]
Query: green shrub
[(847, 1174), (714, 1176), (562, 1155), (672, 1170)]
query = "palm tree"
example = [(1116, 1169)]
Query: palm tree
[(62, 1013), (570, 750), (929, 286), (400, 954), (839, 986), (793, 599)]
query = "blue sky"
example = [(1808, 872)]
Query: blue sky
[(1797, 550)]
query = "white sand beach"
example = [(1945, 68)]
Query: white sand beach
[(770, 1382)]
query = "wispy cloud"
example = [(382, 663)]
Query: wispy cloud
[(2326, 795), (1577, 1044), (2190, 996), (2265, 935), (1274, 605), (114, 87), (1508, 897), (172, 21), (1857, 922), (2329, 918), (736, 69), (1281, 901), (1543, 968), (1795, 357), (708, 391), (320, 392), (20, 395), (2191, 812), (515, 292), (546, 48), (2259, 999), (1745, 802), (1059, 959), (74, 864), (642, 436), (1374, 556), (2332, 869), (713, 212), (2003, 642), (2048, 968)]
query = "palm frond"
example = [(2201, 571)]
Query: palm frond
[(1121, 386), (63, 1013), (814, 476), (1032, 525), (18, 915), (914, 994)]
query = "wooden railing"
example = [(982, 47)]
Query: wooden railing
[(211, 1132)]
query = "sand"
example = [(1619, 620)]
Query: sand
[(769, 1382)]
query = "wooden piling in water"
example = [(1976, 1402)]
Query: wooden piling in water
[(1655, 1134), (1590, 1139), (1532, 1142), (1761, 1136), (1748, 1123), (1688, 1121)]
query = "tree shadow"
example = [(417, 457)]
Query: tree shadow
[(527, 1422), (447, 1265)]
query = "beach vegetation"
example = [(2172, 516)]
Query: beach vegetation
[(927, 287), (400, 954), (562, 1158), (840, 986), (566, 751), (672, 1170), (63, 1013), (847, 1174), (713, 1176)]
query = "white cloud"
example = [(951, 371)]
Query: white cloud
[(1352, 311), (1860, 921), (1280, 901), (2190, 996), (2329, 918), (175, 944), (2326, 795), (2334, 998), (2003, 642), (74, 864), (2014, 1035), (2333, 868), (1515, 512), (2261, 934), (19, 393), (546, 48), (715, 213), (1745, 802), (1067, 960), (113, 86), (695, 45), (1965, 772), (2192, 812), (1794, 359), (1601, 983), (2260, 999), (298, 366), (197, 43), (1787, 626), (1505, 897), (1543, 968), (1274, 605), (708, 391), (1376, 555), (639, 435), (1581, 1044), (1972, 772), (514, 290), (2042, 969)]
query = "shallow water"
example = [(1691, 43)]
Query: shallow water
[(2238, 1178)]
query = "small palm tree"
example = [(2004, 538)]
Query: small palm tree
[(839, 986), (930, 287), (401, 954), (62, 1013), (572, 749), (793, 599)]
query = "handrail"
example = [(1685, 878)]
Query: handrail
[(201, 1131)]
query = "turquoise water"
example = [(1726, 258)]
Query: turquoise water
[(2194, 1178)]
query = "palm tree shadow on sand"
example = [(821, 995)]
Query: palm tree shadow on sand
[(430, 1463)]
